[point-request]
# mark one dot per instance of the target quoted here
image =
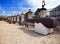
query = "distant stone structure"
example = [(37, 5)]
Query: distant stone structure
[(41, 11), (28, 15), (11, 18), (55, 12), (18, 18), (22, 18), (15, 18)]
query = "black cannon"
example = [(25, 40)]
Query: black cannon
[(48, 22)]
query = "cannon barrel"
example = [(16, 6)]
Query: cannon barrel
[(48, 22)]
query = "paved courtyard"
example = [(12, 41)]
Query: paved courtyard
[(15, 34)]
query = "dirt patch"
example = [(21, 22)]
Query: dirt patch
[(14, 34)]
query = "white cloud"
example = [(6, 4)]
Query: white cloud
[(52, 3), (38, 3), (24, 9), (3, 12), (35, 4)]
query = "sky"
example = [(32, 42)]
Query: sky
[(9, 7)]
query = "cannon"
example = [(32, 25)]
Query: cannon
[(48, 22)]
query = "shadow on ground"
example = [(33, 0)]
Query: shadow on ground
[(30, 32)]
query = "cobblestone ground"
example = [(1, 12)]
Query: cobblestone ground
[(15, 34)]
